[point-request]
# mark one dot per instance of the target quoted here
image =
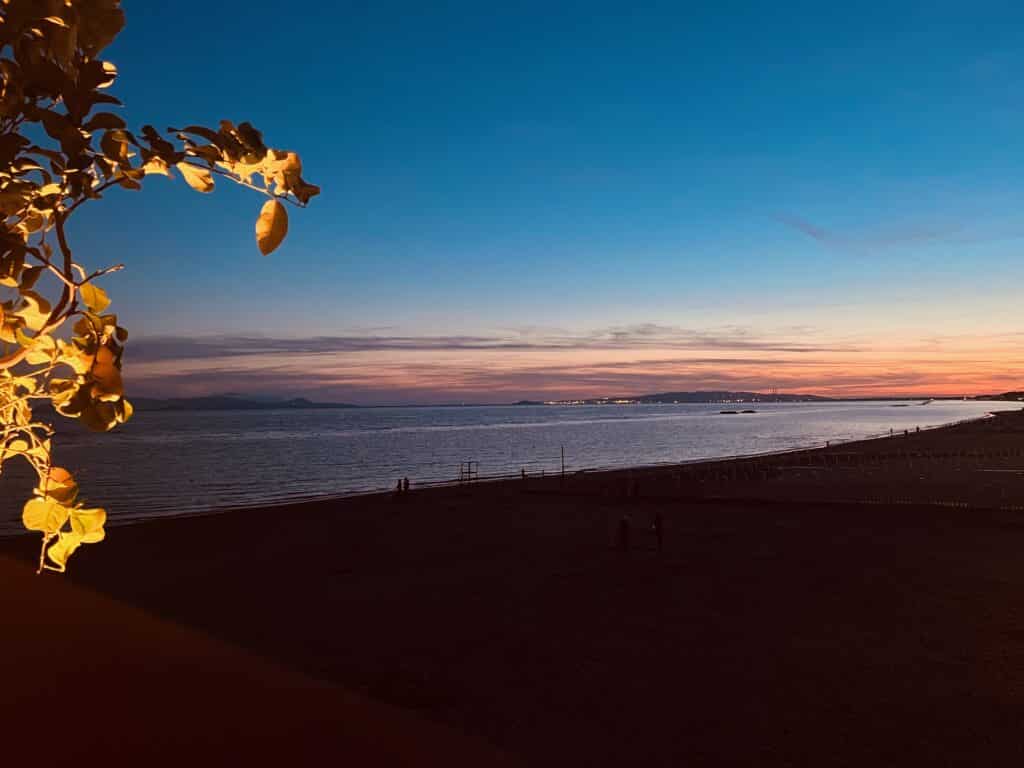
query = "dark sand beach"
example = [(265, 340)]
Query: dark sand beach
[(858, 605)]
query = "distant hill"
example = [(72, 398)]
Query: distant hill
[(228, 403), (703, 397), (1017, 396)]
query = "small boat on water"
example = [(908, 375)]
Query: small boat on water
[(737, 412)]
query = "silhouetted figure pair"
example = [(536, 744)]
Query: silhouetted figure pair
[(402, 486)]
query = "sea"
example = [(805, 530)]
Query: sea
[(193, 462)]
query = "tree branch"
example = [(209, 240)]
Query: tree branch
[(232, 177)]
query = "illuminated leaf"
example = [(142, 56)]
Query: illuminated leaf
[(88, 524), (124, 410), (35, 312), (107, 385), (44, 515), (41, 350), (62, 549), (200, 179), (99, 416), (95, 298), (156, 165), (271, 226)]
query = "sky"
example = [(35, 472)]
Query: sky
[(543, 200)]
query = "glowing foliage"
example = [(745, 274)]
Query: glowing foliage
[(60, 147), (271, 226)]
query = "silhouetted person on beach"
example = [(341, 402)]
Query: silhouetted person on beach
[(658, 526), (405, 485), (622, 535)]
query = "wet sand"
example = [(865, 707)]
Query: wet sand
[(854, 606)]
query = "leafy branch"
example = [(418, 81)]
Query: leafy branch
[(53, 83)]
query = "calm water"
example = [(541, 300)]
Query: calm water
[(175, 463)]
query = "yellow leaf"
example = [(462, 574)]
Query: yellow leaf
[(107, 384), (125, 410), (200, 179), (63, 548), (271, 226), (36, 357), (36, 311), (95, 298), (25, 383), (98, 416), (156, 165), (44, 515), (38, 354), (77, 359), (88, 524)]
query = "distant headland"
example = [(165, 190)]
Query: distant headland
[(229, 403), (699, 396), (236, 402)]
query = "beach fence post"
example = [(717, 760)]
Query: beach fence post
[(469, 471)]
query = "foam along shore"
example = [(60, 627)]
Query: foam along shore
[(851, 605)]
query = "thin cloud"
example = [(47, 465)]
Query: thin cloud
[(549, 363), (904, 234), (642, 336)]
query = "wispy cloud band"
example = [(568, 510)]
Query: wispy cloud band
[(550, 363), (643, 336)]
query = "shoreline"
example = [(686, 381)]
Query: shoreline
[(424, 486)]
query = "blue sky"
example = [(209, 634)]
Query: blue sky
[(837, 172)]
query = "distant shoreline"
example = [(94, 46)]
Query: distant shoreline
[(151, 405)]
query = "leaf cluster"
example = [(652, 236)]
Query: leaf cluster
[(63, 145)]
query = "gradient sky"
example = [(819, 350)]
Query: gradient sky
[(540, 200)]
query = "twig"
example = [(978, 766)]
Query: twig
[(250, 185), (101, 273)]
